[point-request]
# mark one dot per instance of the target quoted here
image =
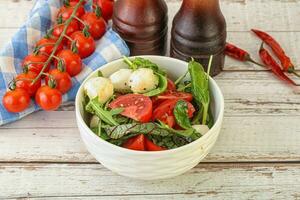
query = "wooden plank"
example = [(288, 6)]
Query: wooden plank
[(209, 181)]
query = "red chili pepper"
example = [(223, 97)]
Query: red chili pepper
[(239, 54), (278, 51), (272, 64)]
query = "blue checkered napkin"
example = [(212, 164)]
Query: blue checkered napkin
[(41, 17)]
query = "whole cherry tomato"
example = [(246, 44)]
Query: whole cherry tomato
[(16, 100), (96, 24), (58, 29), (63, 80), (65, 12), (84, 43), (107, 8), (35, 63), (71, 62), (48, 98), (45, 46), (24, 81)]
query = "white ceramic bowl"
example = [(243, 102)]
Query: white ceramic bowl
[(151, 165)]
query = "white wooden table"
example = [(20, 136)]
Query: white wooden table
[(256, 157)]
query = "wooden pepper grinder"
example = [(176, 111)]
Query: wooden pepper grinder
[(143, 24)]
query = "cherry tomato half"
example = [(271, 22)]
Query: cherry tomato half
[(171, 85), (48, 98), (24, 81), (165, 109), (136, 106), (171, 94), (150, 146), (107, 8), (97, 25), (72, 61), (35, 63), (45, 46), (16, 100), (63, 80), (135, 143)]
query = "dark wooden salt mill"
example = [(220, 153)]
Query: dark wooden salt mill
[(143, 24), (199, 30)]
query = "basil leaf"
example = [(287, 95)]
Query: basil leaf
[(95, 107), (181, 114), (200, 86), (162, 86)]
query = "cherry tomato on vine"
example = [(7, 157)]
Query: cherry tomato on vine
[(71, 62), (24, 81), (65, 12), (35, 63), (96, 24), (63, 80), (16, 100), (58, 29), (107, 8), (45, 46), (84, 43), (48, 98)]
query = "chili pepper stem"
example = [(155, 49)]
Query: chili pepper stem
[(296, 74), (58, 41), (256, 63)]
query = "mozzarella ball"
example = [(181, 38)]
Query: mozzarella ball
[(120, 80), (99, 87), (94, 121), (143, 80), (202, 129)]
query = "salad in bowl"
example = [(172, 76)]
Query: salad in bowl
[(141, 108), (149, 117)]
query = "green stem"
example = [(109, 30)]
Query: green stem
[(184, 87), (80, 20), (181, 78), (296, 74), (128, 62), (205, 112), (58, 41), (209, 64)]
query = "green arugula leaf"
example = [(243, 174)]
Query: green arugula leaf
[(95, 107), (181, 114)]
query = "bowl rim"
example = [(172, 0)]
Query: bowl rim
[(147, 153)]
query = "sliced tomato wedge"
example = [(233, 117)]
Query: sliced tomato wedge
[(171, 85), (176, 95), (136, 143), (136, 106), (150, 146), (165, 110)]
